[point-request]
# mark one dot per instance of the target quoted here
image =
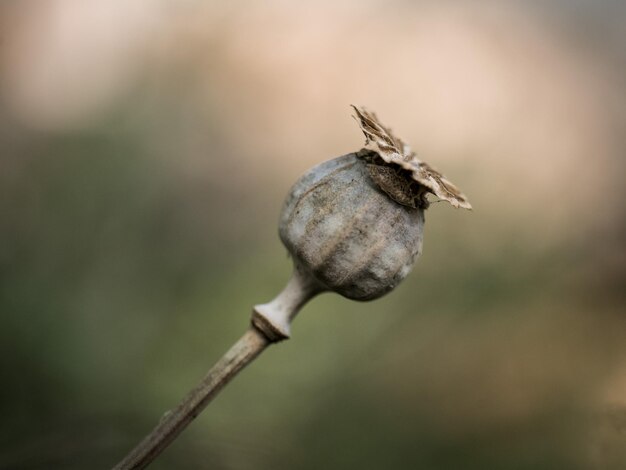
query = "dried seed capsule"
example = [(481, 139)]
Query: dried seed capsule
[(347, 233), (354, 225)]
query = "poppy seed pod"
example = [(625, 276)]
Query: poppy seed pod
[(342, 229), (354, 225)]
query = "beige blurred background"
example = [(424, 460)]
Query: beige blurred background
[(145, 149)]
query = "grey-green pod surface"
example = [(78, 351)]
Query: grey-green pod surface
[(347, 233)]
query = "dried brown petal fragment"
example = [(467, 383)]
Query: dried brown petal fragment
[(394, 150)]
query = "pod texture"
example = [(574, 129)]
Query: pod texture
[(347, 233)]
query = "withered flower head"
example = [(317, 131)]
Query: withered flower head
[(355, 223)]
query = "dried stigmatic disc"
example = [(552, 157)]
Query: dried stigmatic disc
[(396, 153)]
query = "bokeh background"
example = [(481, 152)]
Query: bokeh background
[(145, 150)]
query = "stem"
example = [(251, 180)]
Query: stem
[(274, 318), (249, 346), (270, 323)]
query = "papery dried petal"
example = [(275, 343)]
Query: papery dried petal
[(395, 151)]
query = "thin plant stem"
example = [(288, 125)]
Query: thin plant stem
[(270, 323), (244, 351)]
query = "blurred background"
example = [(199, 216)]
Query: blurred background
[(145, 150)]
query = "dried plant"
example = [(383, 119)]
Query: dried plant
[(353, 225)]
